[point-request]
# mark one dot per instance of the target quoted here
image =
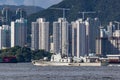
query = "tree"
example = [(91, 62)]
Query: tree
[(20, 58)]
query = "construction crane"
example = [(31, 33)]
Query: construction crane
[(118, 24), (63, 9), (89, 12)]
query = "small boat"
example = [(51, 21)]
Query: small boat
[(50, 63), (57, 60), (10, 59)]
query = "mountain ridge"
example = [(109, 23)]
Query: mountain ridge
[(107, 10), (29, 9)]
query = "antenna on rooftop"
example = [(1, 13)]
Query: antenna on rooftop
[(63, 9)]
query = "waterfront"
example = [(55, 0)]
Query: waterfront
[(27, 71)]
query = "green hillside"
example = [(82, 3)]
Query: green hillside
[(28, 9), (106, 10)]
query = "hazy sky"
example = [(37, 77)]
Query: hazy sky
[(42, 3)]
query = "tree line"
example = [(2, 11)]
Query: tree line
[(24, 54)]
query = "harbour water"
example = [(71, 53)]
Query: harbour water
[(27, 71)]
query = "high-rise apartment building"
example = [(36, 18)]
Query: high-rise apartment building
[(109, 41), (61, 36), (6, 16), (110, 29), (74, 39), (4, 37), (78, 38), (70, 39), (61, 20), (19, 32), (92, 32), (65, 38), (35, 36), (21, 13), (40, 35), (56, 37), (108, 45)]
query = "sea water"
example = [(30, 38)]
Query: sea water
[(27, 71)]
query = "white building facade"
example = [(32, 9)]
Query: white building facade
[(74, 39), (81, 38), (19, 32), (35, 36), (61, 36), (92, 32), (4, 36), (56, 37), (40, 35), (65, 38), (78, 38)]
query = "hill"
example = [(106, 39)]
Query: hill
[(29, 9), (106, 10)]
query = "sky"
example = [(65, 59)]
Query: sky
[(41, 3)]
